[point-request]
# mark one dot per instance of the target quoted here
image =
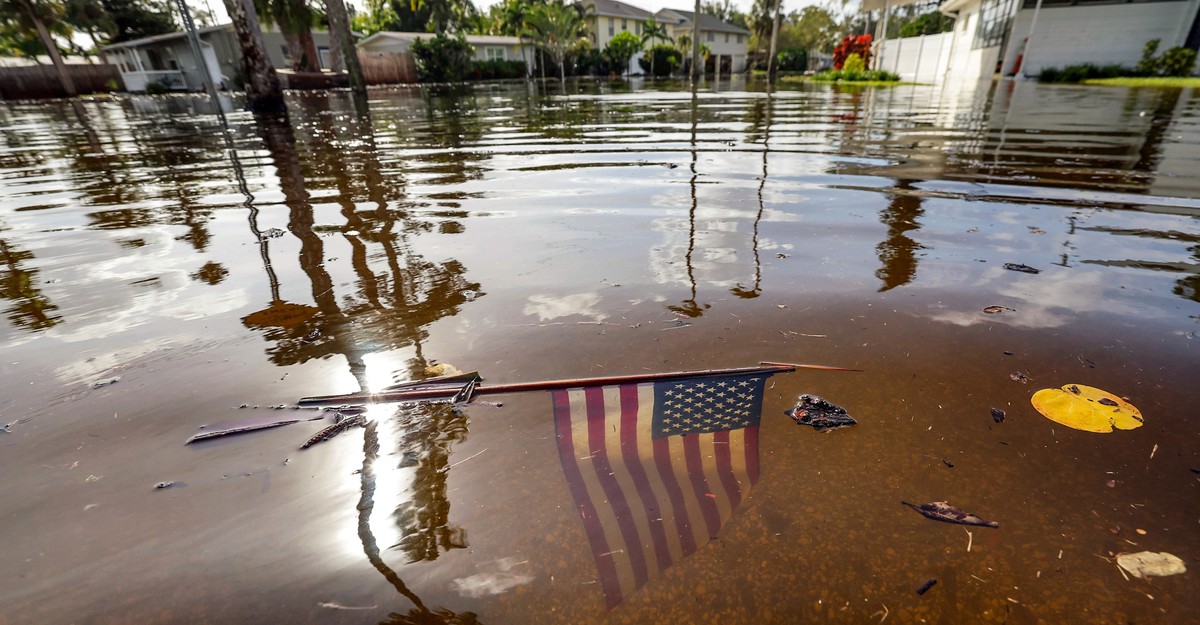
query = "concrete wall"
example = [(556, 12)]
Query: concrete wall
[(1099, 34), (916, 59)]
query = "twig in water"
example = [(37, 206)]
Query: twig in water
[(462, 461), (884, 611), (970, 538), (1152, 451)]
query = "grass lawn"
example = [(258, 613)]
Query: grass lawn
[(1189, 81)]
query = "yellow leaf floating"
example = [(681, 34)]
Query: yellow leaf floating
[(1086, 408)]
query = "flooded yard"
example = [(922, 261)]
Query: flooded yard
[(161, 274)]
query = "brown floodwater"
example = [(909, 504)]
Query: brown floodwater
[(158, 275)]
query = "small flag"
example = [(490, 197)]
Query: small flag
[(656, 469)]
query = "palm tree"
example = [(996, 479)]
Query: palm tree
[(263, 92), (35, 14), (556, 27), (294, 20), (653, 31)]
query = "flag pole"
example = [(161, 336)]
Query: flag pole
[(418, 394)]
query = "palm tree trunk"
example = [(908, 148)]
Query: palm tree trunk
[(774, 42), (696, 42), (339, 21), (263, 93), (52, 49), (308, 50)]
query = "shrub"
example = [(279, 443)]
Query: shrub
[(157, 88), (795, 60), (620, 49), (442, 58), (1177, 61), (497, 69), (666, 59), (860, 45)]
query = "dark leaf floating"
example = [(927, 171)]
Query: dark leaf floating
[(1021, 268), (342, 425), (997, 415), (820, 414), (942, 511), (994, 310), (926, 586)]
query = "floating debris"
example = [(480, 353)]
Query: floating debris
[(926, 586), (1021, 268), (337, 428), (820, 414), (942, 511), (311, 336), (946, 461), (103, 383), (1150, 564), (1020, 376), (1086, 408), (997, 415), (250, 425), (162, 485), (993, 310)]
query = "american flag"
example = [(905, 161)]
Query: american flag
[(657, 468)]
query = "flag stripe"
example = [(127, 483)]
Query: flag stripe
[(649, 508), (665, 517), (679, 507), (630, 563), (569, 452), (695, 469), (729, 475)]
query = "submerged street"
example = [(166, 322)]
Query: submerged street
[(161, 275)]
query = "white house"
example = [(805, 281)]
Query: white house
[(1021, 37), (487, 47), (168, 60), (728, 44), (1101, 33)]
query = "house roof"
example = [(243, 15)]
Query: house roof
[(484, 40), (707, 22), (133, 43), (618, 9)]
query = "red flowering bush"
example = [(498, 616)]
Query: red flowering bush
[(860, 45)]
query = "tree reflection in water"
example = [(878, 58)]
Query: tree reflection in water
[(384, 313)]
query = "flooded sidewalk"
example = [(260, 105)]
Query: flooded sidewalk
[(163, 276)]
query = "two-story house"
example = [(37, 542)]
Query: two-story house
[(729, 45), (610, 17)]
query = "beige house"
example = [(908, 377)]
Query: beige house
[(728, 44), (487, 47), (610, 17)]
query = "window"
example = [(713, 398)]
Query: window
[(995, 18), (712, 36), (726, 37), (610, 27), (624, 24), (740, 39), (494, 54)]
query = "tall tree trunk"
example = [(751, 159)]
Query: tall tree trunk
[(308, 47), (774, 41), (336, 63), (263, 93), (52, 49), (339, 21), (696, 42), (96, 42)]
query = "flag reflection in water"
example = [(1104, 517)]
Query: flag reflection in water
[(657, 468)]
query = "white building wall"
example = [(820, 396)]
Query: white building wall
[(1108, 34), (916, 59)]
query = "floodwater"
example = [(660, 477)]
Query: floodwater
[(158, 277)]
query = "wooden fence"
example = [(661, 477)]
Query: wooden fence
[(387, 68), (41, 81)]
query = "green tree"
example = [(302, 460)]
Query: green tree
[(556, 28), (928, 23), (662, 58), (620, 49), (653, 32), (33, 16), (90, 17), (812, 28), (134, 19), (294, 20)]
